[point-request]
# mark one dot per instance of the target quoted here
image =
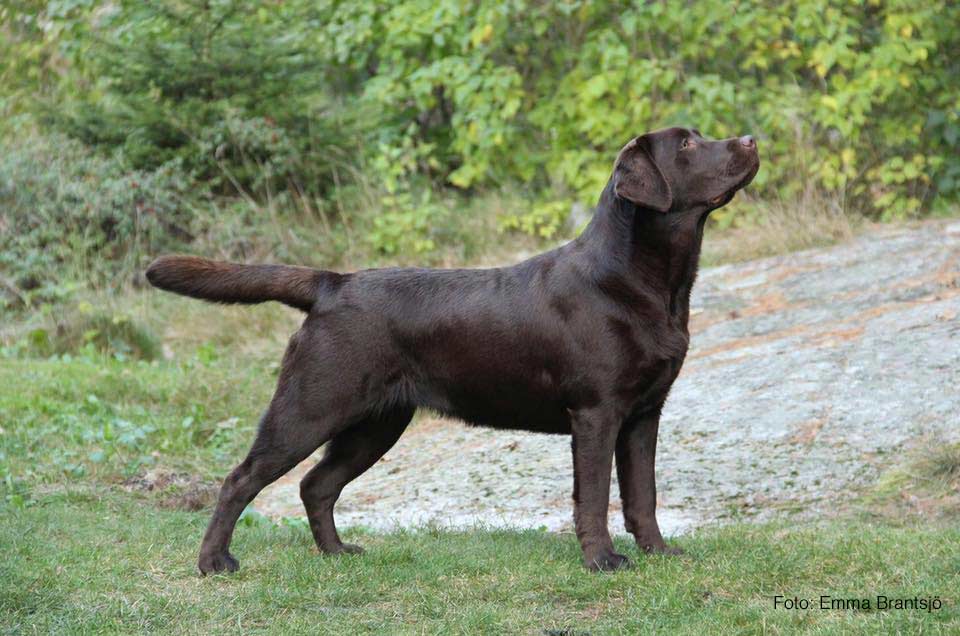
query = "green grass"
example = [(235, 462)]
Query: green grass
[(98, 418), (84, 550), (88, 560)]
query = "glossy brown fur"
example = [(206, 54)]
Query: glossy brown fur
[(585, 340)]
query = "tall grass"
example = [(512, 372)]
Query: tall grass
[(813, 218)]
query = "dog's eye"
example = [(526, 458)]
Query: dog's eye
[(685, 144)]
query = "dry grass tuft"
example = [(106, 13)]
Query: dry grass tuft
[(926, 486), (767, 228)]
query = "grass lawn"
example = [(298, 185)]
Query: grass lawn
[(91, 560), (85, 551)]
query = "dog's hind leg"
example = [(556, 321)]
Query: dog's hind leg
[(284, 439), (348, 455)]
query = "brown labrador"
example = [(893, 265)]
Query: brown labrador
[(584, 340)]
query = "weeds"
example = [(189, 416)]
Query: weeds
[(83, 330), (924, 485), (767, 228)]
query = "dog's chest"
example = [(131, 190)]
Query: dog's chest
[(648, 365)]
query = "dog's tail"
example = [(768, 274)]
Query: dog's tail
[(224, 282)]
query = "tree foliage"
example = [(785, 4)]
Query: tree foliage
[(859, 99), (232, 89)]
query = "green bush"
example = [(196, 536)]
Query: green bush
[(858, 97), (68, 215)]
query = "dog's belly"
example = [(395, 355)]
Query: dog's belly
[(517, 405)]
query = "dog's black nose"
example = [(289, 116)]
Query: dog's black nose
[(747, 140)]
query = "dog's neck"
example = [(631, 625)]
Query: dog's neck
[(640, 244)]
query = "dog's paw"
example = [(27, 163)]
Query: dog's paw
[(607, 562), (220, 562), (351, 548), (343, 548), (662, 548)]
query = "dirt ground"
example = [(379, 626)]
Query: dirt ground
[(807, 375)]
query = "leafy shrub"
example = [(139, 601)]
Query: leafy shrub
[(65, 211), (856, 97), (544, 220)]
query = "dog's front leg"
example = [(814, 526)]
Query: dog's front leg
[(636, 455), (594, 439)]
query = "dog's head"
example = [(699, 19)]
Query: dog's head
[(678, 169)]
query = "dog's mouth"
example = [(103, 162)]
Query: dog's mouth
[(725, 198)]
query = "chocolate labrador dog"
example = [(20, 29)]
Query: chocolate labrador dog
[(584, 340)]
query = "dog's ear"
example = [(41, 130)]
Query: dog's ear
[(637, 178)]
